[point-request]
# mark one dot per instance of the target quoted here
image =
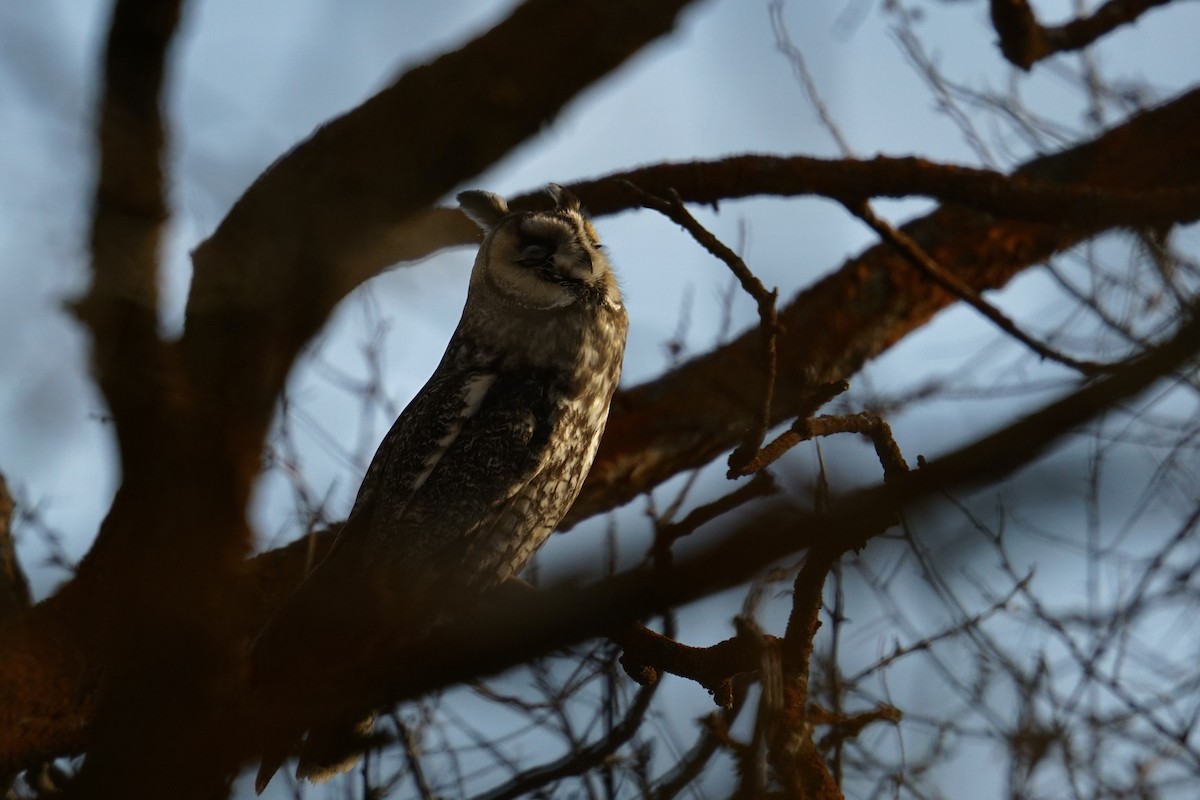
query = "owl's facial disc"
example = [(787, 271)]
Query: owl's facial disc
[(554, 250), (541, 260)]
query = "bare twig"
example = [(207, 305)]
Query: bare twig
[(769, 327), (581, 760), (408, 741), (848, 726), (870, 425), (763, 485), (785, 45), (917, 255)]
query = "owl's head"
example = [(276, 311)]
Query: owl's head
[(539, 260)]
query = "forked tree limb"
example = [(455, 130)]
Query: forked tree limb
[(324, 218), (156, 599)]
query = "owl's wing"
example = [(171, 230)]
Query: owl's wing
[(465, 448), (469, 442)]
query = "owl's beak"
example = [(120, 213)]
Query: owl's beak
[(578, 268)]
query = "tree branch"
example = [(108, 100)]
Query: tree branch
[(327, 215), (14, 590), (1024, 41), (131, 363), (525, 626), (1031, 196), (496, 637), (948, 281), (688, 416), (580, 761), (768, 316)]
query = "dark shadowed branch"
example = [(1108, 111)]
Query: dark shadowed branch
[(1034, 195), (14, 591), (1024, 41), (327, 215)]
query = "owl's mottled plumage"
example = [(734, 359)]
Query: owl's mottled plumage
[(488, 457)]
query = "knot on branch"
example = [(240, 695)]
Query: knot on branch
[(648, 654)]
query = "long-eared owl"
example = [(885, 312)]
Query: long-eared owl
[(487, 458)]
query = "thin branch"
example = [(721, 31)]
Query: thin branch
[(918, 257), (688, 768), (872, 426), (581, 760), (849, 726), (762, 485), (646, 654), (785, 45), (769, 327), (413, 759)]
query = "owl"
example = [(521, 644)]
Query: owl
[(486, 459)]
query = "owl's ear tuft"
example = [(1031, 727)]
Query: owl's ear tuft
[(484, 208), (564, 200)]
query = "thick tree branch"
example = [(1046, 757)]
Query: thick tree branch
[(145, 597), (525, 626), (500, 636), (1024, 41), (47, 692), (1040, 197), (131, 363), (690, 415), (324, 218)]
